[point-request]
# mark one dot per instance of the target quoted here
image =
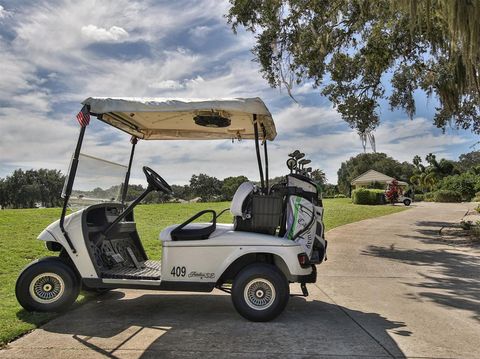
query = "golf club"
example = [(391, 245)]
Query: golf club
[(294, 153), (299, 155)]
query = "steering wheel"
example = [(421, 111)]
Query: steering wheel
[(156, 181)]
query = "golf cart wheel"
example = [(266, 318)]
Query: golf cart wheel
[(47, 285), (407, 202), (260, 292)]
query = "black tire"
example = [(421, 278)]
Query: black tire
[(272, 288), (407, 202), (47, 285)]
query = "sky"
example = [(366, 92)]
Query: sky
[(54, 54)]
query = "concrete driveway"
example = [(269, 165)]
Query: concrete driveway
[(388, 289)]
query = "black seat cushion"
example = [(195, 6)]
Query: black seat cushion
[(191, 234)]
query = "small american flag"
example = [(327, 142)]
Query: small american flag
[(83, 116)]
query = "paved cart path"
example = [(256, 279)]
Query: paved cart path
[(389, 289)]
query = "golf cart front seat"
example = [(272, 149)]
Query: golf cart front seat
[(188, 231)]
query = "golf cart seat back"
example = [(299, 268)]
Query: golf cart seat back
[(255, 211), (237, 207)]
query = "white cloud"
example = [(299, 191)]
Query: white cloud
[(38, 129), (167, 85), (296, 117), (403, 139), (4, 13), (114, 33), (200, 32), (328, 146)]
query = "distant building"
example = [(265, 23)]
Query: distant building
[(370, 177)]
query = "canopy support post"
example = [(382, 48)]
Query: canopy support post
[(68, 189), (134, 141), (266, 156), (257, 148)]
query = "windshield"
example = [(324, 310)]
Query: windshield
[(96, 181)]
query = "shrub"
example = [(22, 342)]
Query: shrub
[(429, 197), (418, 198), (476, 198), (444, 195), (340, 196), (465, 184), (368, 196)]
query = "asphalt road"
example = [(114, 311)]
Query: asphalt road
[(390, 288)]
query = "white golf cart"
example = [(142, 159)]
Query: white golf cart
[(404, 199), (276, 238)]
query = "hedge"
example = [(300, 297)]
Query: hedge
[(368, 196), (445, 195), (429, 197), (441, 195), (340, 196), (465, 183), (418, 197)]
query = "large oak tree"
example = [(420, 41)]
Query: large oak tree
[(352, 50)]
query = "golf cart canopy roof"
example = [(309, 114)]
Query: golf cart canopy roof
[(180, 119)]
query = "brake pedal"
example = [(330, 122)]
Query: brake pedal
[(134, 259)]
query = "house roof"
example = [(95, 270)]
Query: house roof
[(374, 176)]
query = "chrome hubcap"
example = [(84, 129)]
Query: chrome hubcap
[(47, 288), (259, 294)]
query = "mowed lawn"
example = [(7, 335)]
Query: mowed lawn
[(18, 245)]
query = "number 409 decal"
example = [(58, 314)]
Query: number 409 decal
[(178, 271)]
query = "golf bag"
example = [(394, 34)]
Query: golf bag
[(304, 217)]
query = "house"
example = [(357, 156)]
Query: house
[(372, 176)]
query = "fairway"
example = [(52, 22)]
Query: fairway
[(18, 244)]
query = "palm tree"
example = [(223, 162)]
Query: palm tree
[(425, 181), (319, 176), (429, 180)]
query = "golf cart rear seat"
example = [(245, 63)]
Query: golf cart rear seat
[(188, 231), (222, 228)]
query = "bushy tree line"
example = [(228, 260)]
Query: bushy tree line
[(33, 188), (208, 188), (425, 175), (456, 180), (27, 189)]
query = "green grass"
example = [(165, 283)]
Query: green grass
[(18, 245), (340, 211)]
